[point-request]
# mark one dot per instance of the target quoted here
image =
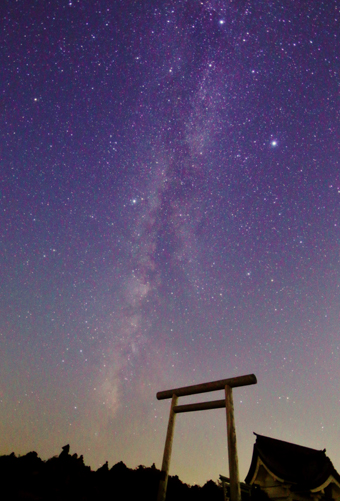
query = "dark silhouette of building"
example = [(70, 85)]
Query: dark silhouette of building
[(292, 472)]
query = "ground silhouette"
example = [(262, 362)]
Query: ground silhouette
[(66, 477)]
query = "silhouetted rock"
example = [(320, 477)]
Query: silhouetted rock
[(65, 451)]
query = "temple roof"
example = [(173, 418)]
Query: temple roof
[(305, 467)]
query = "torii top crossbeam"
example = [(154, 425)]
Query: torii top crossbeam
[(233, 382)]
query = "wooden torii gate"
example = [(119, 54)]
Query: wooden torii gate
[(227, 403)]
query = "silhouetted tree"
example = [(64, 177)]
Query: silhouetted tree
[(66, 478)]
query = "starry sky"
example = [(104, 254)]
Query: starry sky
[(170, 189)]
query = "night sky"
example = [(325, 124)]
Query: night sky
[(170, 189)]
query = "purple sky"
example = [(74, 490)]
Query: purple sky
[(170, 192)]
